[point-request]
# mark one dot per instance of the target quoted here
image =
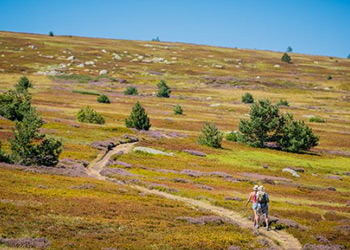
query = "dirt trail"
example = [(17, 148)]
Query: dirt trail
[(283, 239)]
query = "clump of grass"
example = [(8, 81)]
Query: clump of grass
[(131, 91), (73, 77), (316, 119), (85, 92), (232, 136), (178, 110)]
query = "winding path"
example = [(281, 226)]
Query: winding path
[(284, 240)]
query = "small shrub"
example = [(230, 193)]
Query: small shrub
[(210, 136), (283, 102), (89, 115), (247, 98), (316, 119), (178, 110), (163, 89), (51, 33), (103, 99), (85, 92), (329, 77), (138, 118), (131, 91), (286, 58), (232, 136)]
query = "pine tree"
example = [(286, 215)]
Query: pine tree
[(286, 58), (89, 115), (289, 49), (210, 136), (138, 118), (23, 84), (163, 89)]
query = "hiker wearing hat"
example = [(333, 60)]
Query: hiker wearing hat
[(263, 205), (254, 199)]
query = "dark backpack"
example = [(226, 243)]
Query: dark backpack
[(262, 197)]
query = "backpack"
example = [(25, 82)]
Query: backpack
[(262, 197)]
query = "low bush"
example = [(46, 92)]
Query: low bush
[(89, 115), (131, 91), (178, 110), (163, 89), (286, 58), (232, 136), (210, 136), (283, 102), (247, 98), (103, 99), (329, 77), (85, 92), (316, 119)]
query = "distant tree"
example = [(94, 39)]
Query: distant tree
[(23, 84), (131, 91), (210, 136), (30, 147), (329, 77), (89, 115), (138, 118), (289, 49), (51, 33), (156, 39), (286, 58), (178, 110), (103, 99), (264, 120), (247, 98), (296, 135), (163, 89), (15, 103), (349, 56)]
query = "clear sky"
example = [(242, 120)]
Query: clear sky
[(320, 27)]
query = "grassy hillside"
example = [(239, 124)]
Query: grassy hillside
[(208, 83)]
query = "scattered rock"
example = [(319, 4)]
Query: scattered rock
[(322, 239), (265, 166), (276, 66), (194, 152), (81, 65), (33, 47), (90, 63), (331, 188), (335, 177), (291, 171), (180, 180), (71, 58), (103, 72), (301, 170), (103, 145), (152, 151)]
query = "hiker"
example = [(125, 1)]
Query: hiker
[(253, 198), (263, 205)]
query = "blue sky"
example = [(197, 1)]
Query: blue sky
[(314, 27)]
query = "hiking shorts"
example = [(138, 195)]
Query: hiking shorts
[(255, 206), (264, 209)]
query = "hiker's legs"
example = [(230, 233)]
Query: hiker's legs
[(256, 217)]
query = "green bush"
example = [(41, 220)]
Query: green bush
[(163, 89), (14, 104), (138, 118), (89, 115), (316, 119), (210, 136), (30, 147), (23, 84), (85, 92), (51, 33), (296, 136), (283, 102), (178, 110), (286, 58), (131, 91), (264, 120), (103, 99), (329, 77), (267, 125), (3, 156), (232, 136), (247, 98)]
